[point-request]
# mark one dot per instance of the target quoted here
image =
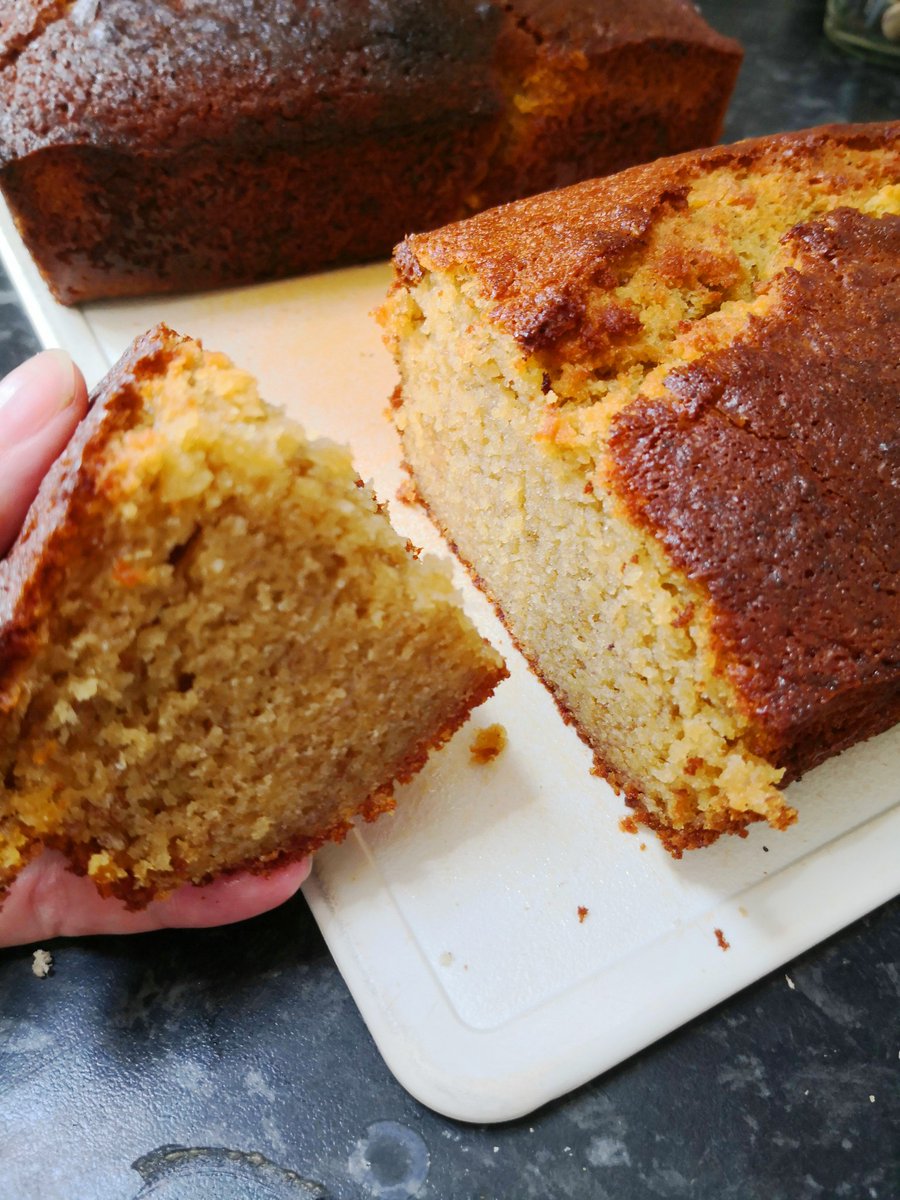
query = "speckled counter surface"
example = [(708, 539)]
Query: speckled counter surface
[(233, 1065)]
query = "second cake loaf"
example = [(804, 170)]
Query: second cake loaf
[(157, 145), (675, 395)]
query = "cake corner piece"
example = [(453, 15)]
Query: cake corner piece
[(215, 653)]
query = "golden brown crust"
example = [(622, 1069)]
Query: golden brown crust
[(801, 561), (764, 466), (135, 897), (540, 262), (60, 518)]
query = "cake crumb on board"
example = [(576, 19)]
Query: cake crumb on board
[(407, 494), (628, 825), (41, 964), (487, 744), (582, 913), (723, 942)]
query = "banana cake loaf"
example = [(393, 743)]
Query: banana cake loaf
[(185, 144), (215, 652), (676, 394)]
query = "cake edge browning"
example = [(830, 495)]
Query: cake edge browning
[(817, 695), (33, 564), (528, 302), (84, 178)]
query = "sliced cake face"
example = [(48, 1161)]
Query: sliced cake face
[(678, 389), (215, 651)]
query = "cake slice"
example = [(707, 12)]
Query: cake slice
[(215, 652), (675, 393)]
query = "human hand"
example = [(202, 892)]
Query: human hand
[(41, 402)]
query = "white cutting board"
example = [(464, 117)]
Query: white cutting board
[(455, 920)]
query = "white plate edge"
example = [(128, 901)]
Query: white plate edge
[(54, 323), (510, 1085)]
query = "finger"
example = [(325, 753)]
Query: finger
[(41, 402), (48, 901), (232, 898)]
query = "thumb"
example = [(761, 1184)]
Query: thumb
[(48, 901), (41, 402)]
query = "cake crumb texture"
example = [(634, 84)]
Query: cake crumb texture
[(488, 744), (678, 392), (215, 653)]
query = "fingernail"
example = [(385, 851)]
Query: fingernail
[(34, 393)]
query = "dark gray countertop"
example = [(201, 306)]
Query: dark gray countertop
[(232, 1064)]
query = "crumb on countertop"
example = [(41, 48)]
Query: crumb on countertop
[(406, 492), (487, 744), (42, 961), (724, 944), (628, 825), (582, 913)]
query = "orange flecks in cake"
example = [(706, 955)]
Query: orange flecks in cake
[(723, 942), (628, 825), (743, 200), (549, 427), (381, 802), (126, 574), (684, 617), (487, 744), (406, 492), (42, 753), (582, 913)]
